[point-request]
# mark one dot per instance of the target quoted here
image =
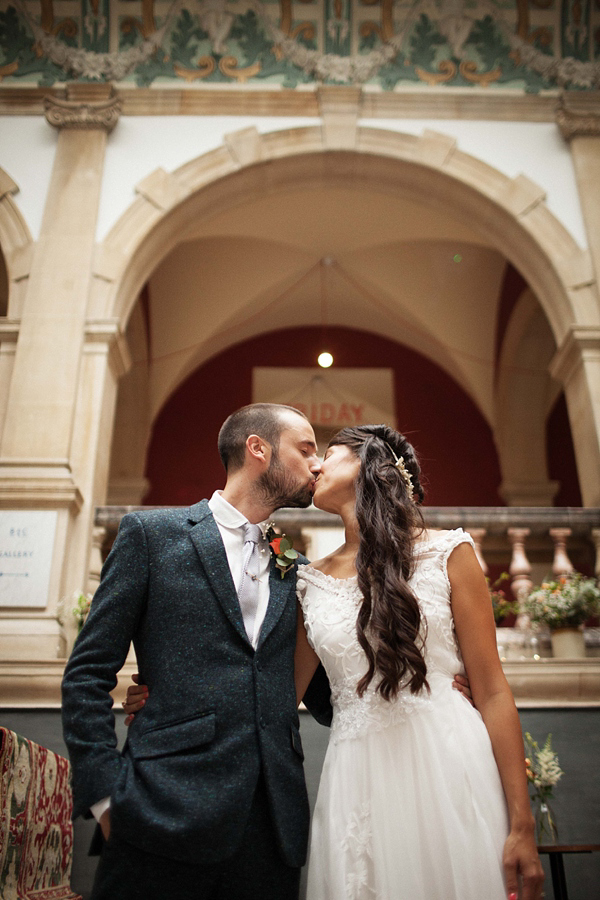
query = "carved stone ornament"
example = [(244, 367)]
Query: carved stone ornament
[(85, 106), (579, 116)]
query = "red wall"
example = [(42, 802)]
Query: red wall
[(561, 455), (454, 442)]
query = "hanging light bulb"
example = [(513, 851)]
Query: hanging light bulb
[(325, 359)]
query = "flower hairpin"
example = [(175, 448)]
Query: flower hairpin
[(281, 548), (400, 465)]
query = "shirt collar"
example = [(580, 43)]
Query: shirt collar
[(227, 515)]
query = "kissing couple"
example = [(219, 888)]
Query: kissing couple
[(422, 795)]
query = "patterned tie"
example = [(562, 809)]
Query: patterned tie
[(248, 590)]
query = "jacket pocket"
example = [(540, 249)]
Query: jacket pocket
[(174, 737), (297, 741)]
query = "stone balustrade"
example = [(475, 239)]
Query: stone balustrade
[(528, 543)]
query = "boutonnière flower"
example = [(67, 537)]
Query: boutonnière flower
[(282, 549)]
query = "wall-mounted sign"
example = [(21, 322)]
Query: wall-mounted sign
[(26, 545), (333, 398)]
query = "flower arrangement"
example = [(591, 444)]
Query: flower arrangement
[(543, 772), (566, 603), (282, 549), (81, 608), (501, 605)]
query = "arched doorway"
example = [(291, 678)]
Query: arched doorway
[(205, 224)]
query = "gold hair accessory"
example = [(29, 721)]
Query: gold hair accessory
[(399, 463)]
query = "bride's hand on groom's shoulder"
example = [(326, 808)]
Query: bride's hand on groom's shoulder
[(137, 695)]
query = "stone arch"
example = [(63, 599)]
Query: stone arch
[(15, 243), (509, 212)]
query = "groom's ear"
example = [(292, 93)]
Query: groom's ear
[(258, 449)]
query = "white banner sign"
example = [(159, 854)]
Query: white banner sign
[(333, 398), (26, 545)]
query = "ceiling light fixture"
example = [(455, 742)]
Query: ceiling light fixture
[(325, 358)]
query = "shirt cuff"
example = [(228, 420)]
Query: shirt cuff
[(100, 807)]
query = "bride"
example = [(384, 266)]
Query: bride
[(422, 796)]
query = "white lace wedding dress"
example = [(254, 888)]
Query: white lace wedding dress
[(410, 804)]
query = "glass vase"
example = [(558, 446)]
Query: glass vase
[(546, 830)]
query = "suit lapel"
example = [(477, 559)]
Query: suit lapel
[(280, 590), (206, 538)]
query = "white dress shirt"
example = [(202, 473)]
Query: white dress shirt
[(230, 523)]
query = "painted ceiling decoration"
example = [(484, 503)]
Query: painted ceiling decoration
[(529, 45)]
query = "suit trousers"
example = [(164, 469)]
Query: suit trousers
[(255, 872)]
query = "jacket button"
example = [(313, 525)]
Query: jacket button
[(258, 667), (263, 722)]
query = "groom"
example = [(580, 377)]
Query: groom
[(208, 799)]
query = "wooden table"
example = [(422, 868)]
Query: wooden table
[(557, 868)]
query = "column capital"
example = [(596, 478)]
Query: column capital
[(85, 106), (578, 114), (580, 341)]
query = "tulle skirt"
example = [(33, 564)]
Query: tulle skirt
[(414, 811)]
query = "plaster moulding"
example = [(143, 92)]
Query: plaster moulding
[(505, 106), (578, 115)]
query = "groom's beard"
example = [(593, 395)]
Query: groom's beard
[(278, 489)]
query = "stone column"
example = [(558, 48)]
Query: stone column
[(578, 117), (576, 366), (577, 361), (52, 412)]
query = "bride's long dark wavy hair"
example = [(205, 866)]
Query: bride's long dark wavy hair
[(389, 521)]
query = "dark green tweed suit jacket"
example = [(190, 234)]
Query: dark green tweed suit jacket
[(218, 711)]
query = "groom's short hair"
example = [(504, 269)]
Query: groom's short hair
[(264, 419)]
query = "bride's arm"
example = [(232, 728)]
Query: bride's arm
[(492, 696), (305, 659)]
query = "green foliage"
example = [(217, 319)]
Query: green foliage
[(566, 603), (16, 44), (424, 41), (256, 47), (183, 46), (491, 48)]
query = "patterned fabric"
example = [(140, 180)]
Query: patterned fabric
[(36, 832)]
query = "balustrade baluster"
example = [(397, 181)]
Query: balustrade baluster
[(520, 568), (478, 534), (562, 565), (596, 539)]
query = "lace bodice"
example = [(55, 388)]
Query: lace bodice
[(330, 607)]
